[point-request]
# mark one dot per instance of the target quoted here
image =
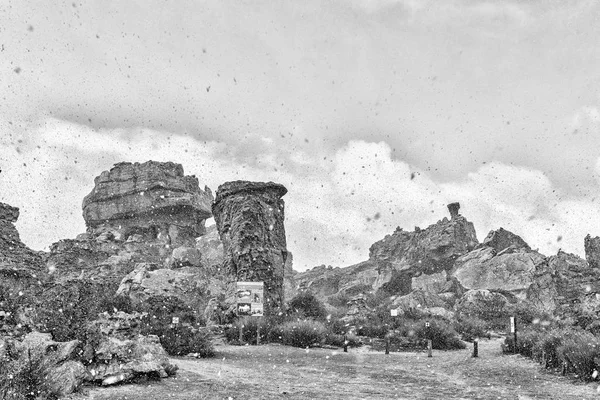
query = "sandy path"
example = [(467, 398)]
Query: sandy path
[(274, 372)]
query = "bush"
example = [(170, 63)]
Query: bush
[(303, 333), (579, 352), (184, 339), (334, 339), (471, 328), (306, 305), (270, 331), (441, 334)]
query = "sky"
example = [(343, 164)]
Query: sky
[(373, 113)]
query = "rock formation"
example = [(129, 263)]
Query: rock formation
[(249, 218), (19, 265), (510, 269), (502, 239), (154, 200), (592, 250), (563, 281)]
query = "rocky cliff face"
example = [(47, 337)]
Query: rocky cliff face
[(563, 281), (503, 262), (401, 262), (154, 200), (592, 250), (18, 263), (249, 218)]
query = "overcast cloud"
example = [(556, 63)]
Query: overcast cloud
[(374, 114)]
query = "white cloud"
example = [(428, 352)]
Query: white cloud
[(338, 204)]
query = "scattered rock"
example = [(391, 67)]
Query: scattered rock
[(502, 239)]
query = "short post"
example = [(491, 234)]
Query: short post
[(258, 333), (345, 344), (513, 330), (241, 333), (429, 348), (475, 348), (387, 344)]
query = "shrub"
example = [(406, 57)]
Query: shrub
[(184, 339), (306, 305), (371, 330), (471, 328), (334, 339), (303, 333), (579, 352), (269, 330), (441, 334)]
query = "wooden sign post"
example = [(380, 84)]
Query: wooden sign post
[(475, 348)]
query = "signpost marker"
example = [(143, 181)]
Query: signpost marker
[(513, 330)]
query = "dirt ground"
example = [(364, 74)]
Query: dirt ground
[(280, 372)]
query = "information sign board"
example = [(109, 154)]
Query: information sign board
[(249, 298)]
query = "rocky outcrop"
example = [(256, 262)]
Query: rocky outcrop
[(502, 239), (154, 200), (210, 247), (249, 217), (511, 269), (563, 281), (122, 354), (56, 362), (19, 265), (592, 250), (484, 304)]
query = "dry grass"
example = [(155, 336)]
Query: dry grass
[(280, 372)]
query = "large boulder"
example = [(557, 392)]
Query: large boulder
[(152, 199), (120, 353), (502, 239), (56, 362), (250, 220), (421, 302), (483, 304), (511, 269), (563, 281)]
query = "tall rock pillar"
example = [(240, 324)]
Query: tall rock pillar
[(249, 218)]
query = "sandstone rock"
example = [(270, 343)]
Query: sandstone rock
[(63, 374), (502, 239), (122, 354), (357, 308), (153, 199), (434, 283), (483, 304), (211, 248), (402, 255), (417, 300), (562, 281), (19, 265), (592, 251), (186, 257), (510, 270), (250, 220)]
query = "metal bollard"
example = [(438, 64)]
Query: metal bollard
[(387, 345), (475, 348), (429, 348)]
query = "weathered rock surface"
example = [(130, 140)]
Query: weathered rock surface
[(154, 200), (123, 354), (422, 302), (19, 265), (592, 250), (63, 374), (502, 239), (357, 308), (210, 247), (250, 220), (510, 270), (402, 255), (563, 281), (482, 303)]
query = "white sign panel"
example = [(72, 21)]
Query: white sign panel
[(249, 298), (512, 325), (394, 313)]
